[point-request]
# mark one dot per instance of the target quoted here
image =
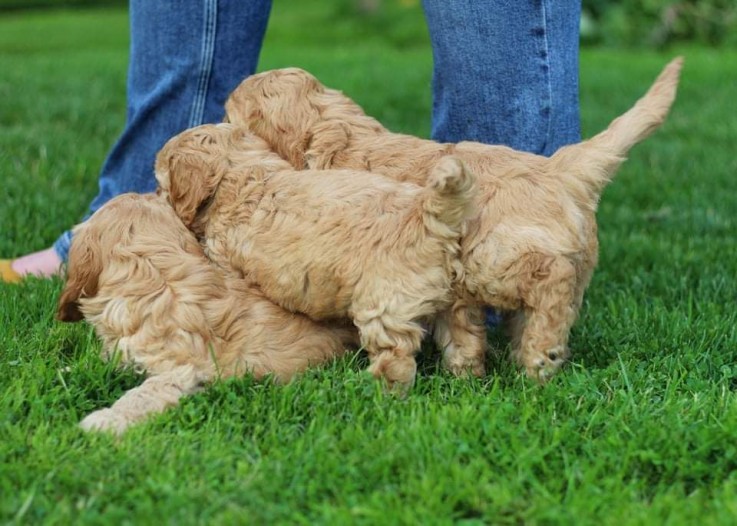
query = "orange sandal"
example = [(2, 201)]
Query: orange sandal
[(7, 274)]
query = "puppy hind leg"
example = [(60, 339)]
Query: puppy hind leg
[(154, 395), (550, 311), (461, 336)]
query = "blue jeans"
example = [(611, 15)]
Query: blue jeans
[(506, 72)]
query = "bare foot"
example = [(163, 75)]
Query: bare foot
[(43, 264)]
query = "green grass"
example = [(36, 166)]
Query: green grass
[(641, 428)]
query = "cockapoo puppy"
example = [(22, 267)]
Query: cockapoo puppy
[(331, 243), (532, 246), (141, 279)]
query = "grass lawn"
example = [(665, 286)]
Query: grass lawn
[(641, 427)]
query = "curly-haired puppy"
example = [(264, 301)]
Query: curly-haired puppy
[(532, 246), (141, 279), (329, 243)]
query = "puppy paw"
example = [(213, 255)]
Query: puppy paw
[(398, 374), (105, 420), (542, 366), (465, 367)]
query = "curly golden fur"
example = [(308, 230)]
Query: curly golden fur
[(331, 243), (141, 279), (531, 248)]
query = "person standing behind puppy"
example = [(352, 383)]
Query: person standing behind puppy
[(505, 72)]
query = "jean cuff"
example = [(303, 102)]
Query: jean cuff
[(61, 245), (492, 318)]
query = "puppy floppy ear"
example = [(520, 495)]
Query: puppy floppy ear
[(83, 272), (192, 181)]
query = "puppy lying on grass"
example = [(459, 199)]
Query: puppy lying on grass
[(140, 278), (331, 243), (530, 249)]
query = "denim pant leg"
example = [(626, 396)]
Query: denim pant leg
[(505, 72), (185, 58)]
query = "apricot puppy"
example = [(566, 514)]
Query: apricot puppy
[(531, 247), (141, 279), (331, 243)]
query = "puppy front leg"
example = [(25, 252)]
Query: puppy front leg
[(154, 395), (461, 336), (392, 351)]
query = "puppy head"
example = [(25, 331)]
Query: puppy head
[(276, 94), (190, 166), (280, 106), (93, 243), (117, 231)]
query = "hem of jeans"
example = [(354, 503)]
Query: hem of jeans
[(207, 53), (62, 244)]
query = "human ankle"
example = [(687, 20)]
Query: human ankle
[(45, 263)]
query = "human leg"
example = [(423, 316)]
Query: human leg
[(185, 58), (505, 72)]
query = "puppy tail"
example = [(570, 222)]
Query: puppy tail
[(449, 196), (595, 161)]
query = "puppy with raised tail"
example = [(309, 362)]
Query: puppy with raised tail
[(530, 249), (330, 244), (141, 279)]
